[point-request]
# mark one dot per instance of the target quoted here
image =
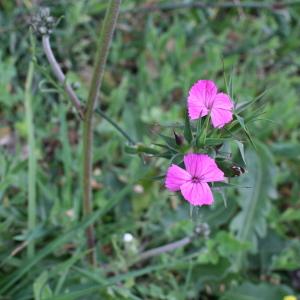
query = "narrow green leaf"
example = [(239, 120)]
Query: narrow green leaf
[(28, 264), (243, 125), (243, 106), (188, 135), (41, 287)]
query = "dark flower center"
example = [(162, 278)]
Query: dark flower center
[(209, 106), (195, 179)]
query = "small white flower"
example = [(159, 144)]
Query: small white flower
[(127, 237)]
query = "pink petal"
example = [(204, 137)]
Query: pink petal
[(176, 177), (200, 99), (197, 193), (196, 110), (193, 164), (222, 100), (220, 117), (203, 167), (210, 171)]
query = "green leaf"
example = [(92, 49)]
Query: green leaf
[(291, 214), (211, 272), (217, 215), (84, 290), (60, 241), (28, 264), (228, 245), (289, 258), (286, 150), (8, 98), (262, 291), (254, 202), (41, 288)]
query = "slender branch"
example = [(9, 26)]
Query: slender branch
[(115, 125), (199, 230), (99, 65), (60, 75), (166, 248)]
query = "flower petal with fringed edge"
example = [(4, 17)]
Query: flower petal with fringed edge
[(204, 99), (192, 181)]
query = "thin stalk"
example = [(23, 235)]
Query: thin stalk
[(115, 125), (198, 132), (199, 231), (164, 249), (31, 159), (204, 132), (60, 75), (99, 66), (66, 156)]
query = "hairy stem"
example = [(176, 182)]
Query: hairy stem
[(99, 66), (60, 75), (61, 78)]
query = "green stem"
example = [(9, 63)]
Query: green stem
[(204, 132), (115, 125), (99, 66), (66, 157), (206, 128), (198, 133), (31, 158)]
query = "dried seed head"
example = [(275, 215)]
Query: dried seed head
[(43, 23), (202, 230)]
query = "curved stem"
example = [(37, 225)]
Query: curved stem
[(61, 78), (60, 75), (99, 65)]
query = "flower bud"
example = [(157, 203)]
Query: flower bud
[(130, 244), (178, 139)]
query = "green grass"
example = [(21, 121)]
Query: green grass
[(253, 247)]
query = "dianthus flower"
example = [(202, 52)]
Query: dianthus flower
[(193, 181), (204, 99)]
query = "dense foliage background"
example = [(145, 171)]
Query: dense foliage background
[(252, 250)]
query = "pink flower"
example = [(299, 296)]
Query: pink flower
[(204, 98), (192, 182)]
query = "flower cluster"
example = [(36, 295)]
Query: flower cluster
[(200, 169)]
